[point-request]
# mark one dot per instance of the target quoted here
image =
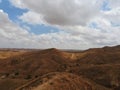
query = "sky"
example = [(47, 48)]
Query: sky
[(63, 24)]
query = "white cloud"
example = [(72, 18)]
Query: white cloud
[(73, 17), (62, 12), (114, 3), (11, 34), (113, 15), (96, 37), (32, 18), (17, 3)]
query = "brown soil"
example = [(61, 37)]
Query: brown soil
[(53, 69)]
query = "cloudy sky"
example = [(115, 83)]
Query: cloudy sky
[(65, 24)]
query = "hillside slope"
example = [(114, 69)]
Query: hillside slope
[(99, 66)]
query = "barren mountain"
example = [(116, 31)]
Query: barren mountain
[(53, 69)]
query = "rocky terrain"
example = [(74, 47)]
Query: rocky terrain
[(54, 69)]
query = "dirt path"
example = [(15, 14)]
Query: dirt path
[(33, 83)]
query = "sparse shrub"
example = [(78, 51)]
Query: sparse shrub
[(36, 76), (51, 83), (77, 64), (57, 69), (28, 77), (64, 80), (16, 73), (64, 66), (7, 74), (70, 71), (14, 61)]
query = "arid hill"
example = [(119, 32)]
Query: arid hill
[(6, 53), (53, 69)]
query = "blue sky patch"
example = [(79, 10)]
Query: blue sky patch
[(40, 29), (105, 6), (12, 11), (93, 25)]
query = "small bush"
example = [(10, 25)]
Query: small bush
[(51, 83), (28, 77), (16, 73)]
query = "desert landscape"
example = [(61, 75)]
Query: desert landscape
[(55, 69), (59, 44)]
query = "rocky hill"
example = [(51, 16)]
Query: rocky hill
[(53, 69)]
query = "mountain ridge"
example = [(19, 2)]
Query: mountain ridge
[(99, 67)]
